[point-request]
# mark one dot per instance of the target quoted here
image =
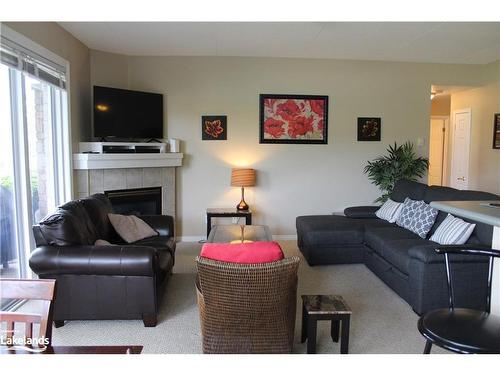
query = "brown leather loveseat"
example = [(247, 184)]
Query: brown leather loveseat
[(102, 282)]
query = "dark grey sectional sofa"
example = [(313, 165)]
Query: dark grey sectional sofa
[(400, 258)]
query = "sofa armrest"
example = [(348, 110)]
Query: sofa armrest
[(361, 212), (94, 260), (163, 224)]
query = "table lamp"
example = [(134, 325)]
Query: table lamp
[(242, 177)]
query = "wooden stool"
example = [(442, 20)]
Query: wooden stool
[(318, 307)]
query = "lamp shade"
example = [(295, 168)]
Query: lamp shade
[(243, 177)]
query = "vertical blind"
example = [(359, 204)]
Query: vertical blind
[(21, 58)]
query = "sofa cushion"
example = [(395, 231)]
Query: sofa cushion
[(396, 252), (417, 216), (247, 253), (158, 242), (408, 189), (453, 231), (326, 230), (377, 237), (361, 212), (131, 228), (389, 211)]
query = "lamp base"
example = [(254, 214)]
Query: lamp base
[(242, 206)]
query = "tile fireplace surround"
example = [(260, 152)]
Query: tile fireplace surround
[(93, 179)]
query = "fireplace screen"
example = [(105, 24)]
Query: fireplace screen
[(143, 201)]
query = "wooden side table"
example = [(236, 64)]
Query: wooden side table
[(226, 212), (320, 307)]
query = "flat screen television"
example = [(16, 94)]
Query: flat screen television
[(127, 114)]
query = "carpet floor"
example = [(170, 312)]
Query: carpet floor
[(382, 322)]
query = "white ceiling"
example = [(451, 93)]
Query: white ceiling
[(441, 42)]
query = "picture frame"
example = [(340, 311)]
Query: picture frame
[(214, 128), (369, 129), (496, 131), (293, 119)]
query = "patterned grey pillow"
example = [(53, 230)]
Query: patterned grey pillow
[(417, 216)]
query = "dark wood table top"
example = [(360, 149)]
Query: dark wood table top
[(325, 304), (131, 349), (228, 211)]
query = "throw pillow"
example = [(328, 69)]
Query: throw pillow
[(131, 228), (417, 216), (453, 231), (389, 211), (248, 253)]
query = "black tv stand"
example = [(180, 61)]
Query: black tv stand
[(154, 140)]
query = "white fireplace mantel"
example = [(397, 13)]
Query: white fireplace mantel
[(116, 161)]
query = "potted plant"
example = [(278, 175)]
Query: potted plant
[(401, 162)]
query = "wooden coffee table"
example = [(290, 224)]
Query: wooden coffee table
[(321, 307)]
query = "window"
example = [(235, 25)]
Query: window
[(35, 167)]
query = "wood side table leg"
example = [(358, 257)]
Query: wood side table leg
[(344, 341), (304, 325), (209, 224), (311, 334), (335, 330)]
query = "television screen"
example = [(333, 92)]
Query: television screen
[(127, 114)]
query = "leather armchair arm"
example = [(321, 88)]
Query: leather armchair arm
[(94, 260), (163, 224), (361, 212)]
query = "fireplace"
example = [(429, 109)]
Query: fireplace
[(142, 201)]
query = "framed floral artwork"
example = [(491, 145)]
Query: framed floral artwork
[(301, 119), (369, 128), (496, 131), (214, 128)]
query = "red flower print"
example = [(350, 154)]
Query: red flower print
[(288, 110), (274, 127), (269, 103), (300, 126), (318, 107), (320, 125)]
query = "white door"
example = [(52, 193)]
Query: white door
[(436, 150), (459, 176)]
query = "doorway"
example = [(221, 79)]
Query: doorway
[(438, 141), (459, 174)]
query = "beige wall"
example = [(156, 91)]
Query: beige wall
[(292, 179), (53, 37), (484, 102), (440, 105)]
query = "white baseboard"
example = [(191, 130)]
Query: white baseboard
[(276, 237), (284, 237), (190, 238)]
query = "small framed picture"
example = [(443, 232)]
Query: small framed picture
[(214, 128), (496, 131), (369, 128)]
